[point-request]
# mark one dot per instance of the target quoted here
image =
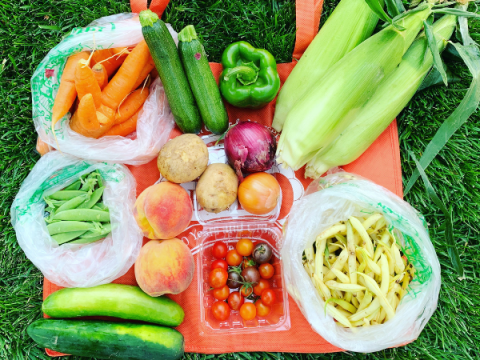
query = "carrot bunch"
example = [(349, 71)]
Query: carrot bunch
[(103, 106)]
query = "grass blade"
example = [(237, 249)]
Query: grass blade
[(432, 44), (456, 12), (452, 248), (471, 55)]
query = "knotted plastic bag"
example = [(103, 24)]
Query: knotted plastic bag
[(335, 198), (155, 121), (76, 265)]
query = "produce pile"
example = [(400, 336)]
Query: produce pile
[(339, 98)]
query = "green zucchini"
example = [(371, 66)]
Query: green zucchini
[(122, 301), (202, 82), (166, 59), (108, 340)]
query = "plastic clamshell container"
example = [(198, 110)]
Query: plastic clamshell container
[(279, 318)]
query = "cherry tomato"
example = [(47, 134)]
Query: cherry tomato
[(217, 278), (260, 287), (220, 310), (247, 262), (234, 258), (248, 311), (262, 309), (258, 193), (219, 250), (268, 296), (266, 271), (235, 300), (244, 247), (221, 293), (246, 291), (251, 275), (220, 264)]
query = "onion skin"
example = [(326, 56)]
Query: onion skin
[(250, 147)]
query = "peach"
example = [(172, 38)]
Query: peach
[(163, 210), (164, 267)]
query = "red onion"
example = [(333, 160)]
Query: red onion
[(250, 147)]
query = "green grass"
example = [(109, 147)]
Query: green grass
[(29, 28)]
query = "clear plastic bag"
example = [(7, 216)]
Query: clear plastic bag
[(155, 121), (74, 265), (334, 198)]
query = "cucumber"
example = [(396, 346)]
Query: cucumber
[(166, 59), (122, 301), (108, 340), (202, 82)]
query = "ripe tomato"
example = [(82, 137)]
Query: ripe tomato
[(220, 310), (234, 258), (262, 309), (221, 293), (235, 300), (244, 247), (248, 311), (258, 193), (268, 296), (217, 278), (220, 264), (261, 286), (219, 250), (246, 291), (266, 271)]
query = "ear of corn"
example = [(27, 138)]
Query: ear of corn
[(335, 101), (351, 22), (392, 95)]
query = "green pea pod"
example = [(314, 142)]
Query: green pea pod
[(100, 206), (73, 203), (93, 235), (67, 236), (68, 226), (87, 240), (95, 197), (74, 186), (83, 215), (66, 194)]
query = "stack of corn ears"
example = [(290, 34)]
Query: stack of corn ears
[(352, 95)]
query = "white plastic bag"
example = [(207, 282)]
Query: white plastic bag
[(155, 122), (74, 265), (334, 198)]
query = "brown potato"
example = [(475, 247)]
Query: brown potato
[(183, 158), (217, 188)]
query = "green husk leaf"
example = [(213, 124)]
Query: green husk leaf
[(377, 8), (432, 44), (456, 12), (434, 78), (392, 8), (420, 7), (463, 28), (471, 55), (452, 248), (400, 6)]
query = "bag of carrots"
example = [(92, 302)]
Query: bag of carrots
[(73, 219), (96, 95)]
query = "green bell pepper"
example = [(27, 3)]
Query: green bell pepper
[(249, 78)]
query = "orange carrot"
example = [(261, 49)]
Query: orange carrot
[(144, 73), (66, 92), (110, 58), (85, 83), (130, 106), (85, 121), (100, 75), (125, 128), (43, 147), (122, 83)]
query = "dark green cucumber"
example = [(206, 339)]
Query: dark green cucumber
[(202, 82), (108, 340), (122, 301), (166, 59)]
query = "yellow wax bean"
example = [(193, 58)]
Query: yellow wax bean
[(367, 242)]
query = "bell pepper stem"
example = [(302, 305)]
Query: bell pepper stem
[(245, 74)]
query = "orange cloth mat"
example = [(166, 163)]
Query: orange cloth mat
[(380, 163)]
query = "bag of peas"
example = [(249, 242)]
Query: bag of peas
[(73, 218)]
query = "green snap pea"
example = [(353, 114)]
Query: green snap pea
[(73, 203), (93, 235), (94, 198), (74, 186), (68, 226), (67, 236), (83, 215), (87, 240), (66, 194), (100, 206)]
